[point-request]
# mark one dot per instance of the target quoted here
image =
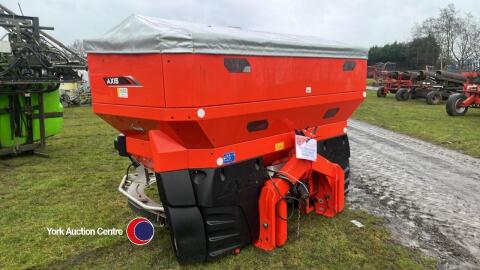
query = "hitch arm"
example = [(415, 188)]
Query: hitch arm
[(325, 182)]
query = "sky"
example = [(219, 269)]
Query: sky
[(355, 22)]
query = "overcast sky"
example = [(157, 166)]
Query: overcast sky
[(356, 22)]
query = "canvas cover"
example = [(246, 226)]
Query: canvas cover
[(142, 34)]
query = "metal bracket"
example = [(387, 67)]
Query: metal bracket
[(133, 187)]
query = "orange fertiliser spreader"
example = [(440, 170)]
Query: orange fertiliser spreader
[(223, 120)]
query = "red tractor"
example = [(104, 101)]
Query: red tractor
[(458, 104), (229, 125)]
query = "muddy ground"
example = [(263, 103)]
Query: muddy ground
[(428, 196)]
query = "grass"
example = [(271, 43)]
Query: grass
[(427, 122), (370, 81), (76, 187)]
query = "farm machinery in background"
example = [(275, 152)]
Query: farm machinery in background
[(458, 103), (78, 93), (395, 82), (434, 86), (32, 66), (376, 71)]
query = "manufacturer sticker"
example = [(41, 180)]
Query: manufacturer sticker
[(228, 157), (305, 148), (279, 146), (121, 81), (122, 92)]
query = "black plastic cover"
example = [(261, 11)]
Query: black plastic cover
[(187, 233), (227, 199), (239, 184), (229, 185), (120, 144), (175, 188), (336, 150), (226, 229)]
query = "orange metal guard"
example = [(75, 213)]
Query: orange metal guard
[(325, 182)]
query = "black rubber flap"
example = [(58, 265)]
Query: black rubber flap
[(175, 188)]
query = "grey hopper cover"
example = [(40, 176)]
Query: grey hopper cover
[(141, 34)]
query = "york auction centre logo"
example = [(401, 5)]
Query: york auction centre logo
[(140, 231)]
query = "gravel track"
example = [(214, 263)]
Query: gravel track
[(429, 196)]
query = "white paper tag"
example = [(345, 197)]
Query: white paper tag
[(122, 92), (305, 148), (357, 223)]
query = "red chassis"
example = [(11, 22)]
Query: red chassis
[(324, 181), (388, 84), (458, 104), (473, 97)]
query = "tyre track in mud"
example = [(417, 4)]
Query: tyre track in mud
[(429, 196)]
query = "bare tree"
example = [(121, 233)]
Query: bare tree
[(476, 48), (443, 28), (457, 35), (463, 44), (448, 24)]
